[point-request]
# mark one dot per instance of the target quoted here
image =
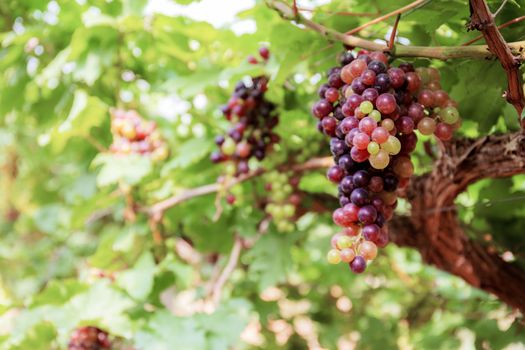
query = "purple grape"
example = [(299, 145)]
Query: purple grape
[(334, 80), (219, 140), (358, 86), (371, 232), (367, 214), (359, 197), (408, 142), (346, 162), (390, 182), (358, 265), (382, 82), (361, 178), (338, 113), (337, 147), (348, 124), (380, 221), (344, 200), (346, 58), (347, 185), (335, 174), (370, 94), (322, 108), (377, 66), (322, 90), (406, 67), (350, 136), (354, 101)]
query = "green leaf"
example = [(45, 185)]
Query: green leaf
[(86, 113), (138, 281), (189, 153), (130, 169)]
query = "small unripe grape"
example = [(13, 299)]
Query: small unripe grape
[(372, 148), (344, 242), (366, 107), (388, 124), (368, 250), (347, 255), (426, 126), (376, 115), (379, 160), (449, 115), (228, 147), (423, 74), (333, 257), (392, 145)]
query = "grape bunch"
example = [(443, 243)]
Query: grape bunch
[(283, 199), (371, 111), (253, 119), (134, 135), (89, 338)]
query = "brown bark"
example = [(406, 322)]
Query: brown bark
[(483, 20), (434, 229)]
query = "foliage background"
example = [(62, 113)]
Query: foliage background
[(63, 64)]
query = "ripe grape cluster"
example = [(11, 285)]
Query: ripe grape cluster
[(371, 111), (253, 119), (283, 199), (133, 135), (89, 338)]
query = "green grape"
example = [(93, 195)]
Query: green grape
[(366, 107), (373, 148), (376, 115), (228, 147), (449, 115), (379, 160), (333, 257)]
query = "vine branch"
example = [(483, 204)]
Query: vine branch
[(413, 5), (227, 271), (483, 20), (158, 209), (437, 52)]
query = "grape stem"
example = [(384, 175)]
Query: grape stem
[(437, 52), (483, 20)]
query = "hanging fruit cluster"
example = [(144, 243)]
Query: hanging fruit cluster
[(371, 111), (134, 135), (252, 118), (89, 338), (283, 199)]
